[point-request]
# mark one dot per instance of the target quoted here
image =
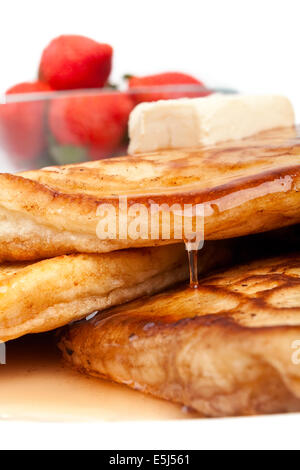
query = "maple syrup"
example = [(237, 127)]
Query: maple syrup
[(37, 386), (193, 268)]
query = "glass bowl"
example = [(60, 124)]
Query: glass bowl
[(64, 127)]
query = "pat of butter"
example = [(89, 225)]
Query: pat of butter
[(173, 124)]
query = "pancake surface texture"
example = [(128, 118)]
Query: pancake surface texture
[(230, 347), (246, 186), (48, 294)]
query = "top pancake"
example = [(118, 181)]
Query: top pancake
[(246, 186)]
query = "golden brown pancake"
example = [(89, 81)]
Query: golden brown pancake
[(51, 293), (246, 186), (230, 347), (45, 295)]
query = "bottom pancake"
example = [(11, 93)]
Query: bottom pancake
[(230, 347)]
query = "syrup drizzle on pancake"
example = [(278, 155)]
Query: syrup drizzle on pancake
[(193, 268)]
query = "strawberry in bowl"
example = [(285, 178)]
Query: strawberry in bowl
[(75, 62), (88, 127), (166, 86), (22, 123)]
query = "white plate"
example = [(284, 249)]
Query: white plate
[(45, 405), (271, 432)]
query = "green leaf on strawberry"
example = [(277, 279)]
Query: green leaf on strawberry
[(66, 154)]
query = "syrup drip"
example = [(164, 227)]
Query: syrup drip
[(193, 268), (192, 249)]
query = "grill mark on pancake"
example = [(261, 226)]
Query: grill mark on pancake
[(197, 196), (212, 285)]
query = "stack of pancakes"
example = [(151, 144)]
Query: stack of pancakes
[(228, 347)]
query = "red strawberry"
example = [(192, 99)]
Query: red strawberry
[(22, 130), (70, 62), (165, 79), (96, 122)]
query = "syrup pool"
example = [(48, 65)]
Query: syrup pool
[(37, 386)]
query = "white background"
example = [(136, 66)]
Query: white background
[(249, 45), (263, 432), (252, 46)]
